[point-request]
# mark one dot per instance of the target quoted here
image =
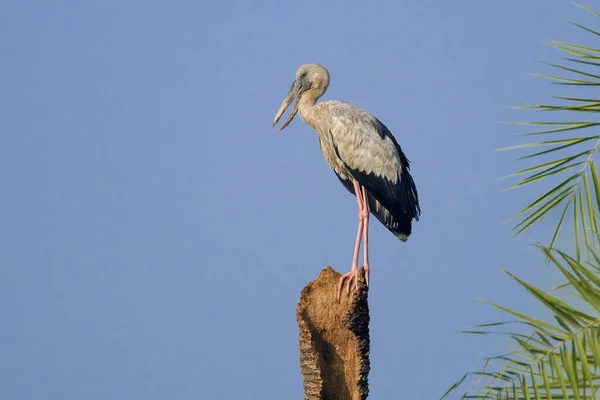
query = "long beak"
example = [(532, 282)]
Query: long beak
[(293, 92)]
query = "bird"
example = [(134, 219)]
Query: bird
[(365, 157)]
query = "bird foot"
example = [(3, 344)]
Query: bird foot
[(351, 279)]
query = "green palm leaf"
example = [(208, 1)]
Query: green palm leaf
[(560, 358), (567, 165), (555, 361)]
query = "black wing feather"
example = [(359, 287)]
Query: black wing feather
[(398, 202)]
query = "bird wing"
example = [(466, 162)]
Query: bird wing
[(373, 157)]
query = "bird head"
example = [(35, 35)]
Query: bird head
[(311, 82)]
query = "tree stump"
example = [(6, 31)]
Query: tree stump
[(334, 339)]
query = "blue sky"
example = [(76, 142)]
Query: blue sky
[(156, 231)]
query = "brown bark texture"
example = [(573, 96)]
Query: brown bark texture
[(334, 339)]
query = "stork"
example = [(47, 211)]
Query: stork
[(364, 155)]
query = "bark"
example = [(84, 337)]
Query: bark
[(334, 339)]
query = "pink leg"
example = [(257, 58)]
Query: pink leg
[(352, 275), (366, 211)]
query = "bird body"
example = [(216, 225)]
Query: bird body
[(364, 155), (356, 145)]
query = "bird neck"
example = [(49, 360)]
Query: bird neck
[(309, 99), (308, 110)]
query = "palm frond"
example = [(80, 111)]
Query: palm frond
[(558, 360), (566, 163)]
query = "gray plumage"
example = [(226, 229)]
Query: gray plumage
[(357, 146)]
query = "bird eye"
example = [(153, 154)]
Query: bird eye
[(303, 75)]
